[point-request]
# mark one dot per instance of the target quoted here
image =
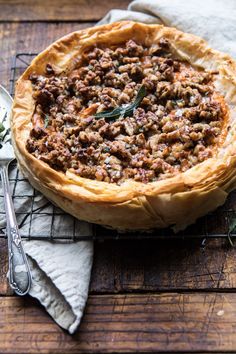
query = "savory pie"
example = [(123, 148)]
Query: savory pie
[(129, 125)]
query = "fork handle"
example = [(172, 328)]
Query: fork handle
[(19, 271)]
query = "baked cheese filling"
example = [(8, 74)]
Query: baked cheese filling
[(128, 112)]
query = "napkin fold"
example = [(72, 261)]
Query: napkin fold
[(61, 268), (61, 272), (60, 278), (213, 20)]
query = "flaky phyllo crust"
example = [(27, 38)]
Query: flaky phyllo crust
[(177, 201)]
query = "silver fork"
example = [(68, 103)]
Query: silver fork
[(19, 271)]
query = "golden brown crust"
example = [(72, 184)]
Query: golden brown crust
[(177, 201)]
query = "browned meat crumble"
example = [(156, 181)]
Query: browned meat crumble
[(176, 125)]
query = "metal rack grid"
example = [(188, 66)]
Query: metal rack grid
[(214, 225)]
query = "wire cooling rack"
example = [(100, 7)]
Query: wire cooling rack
[(32, 208)]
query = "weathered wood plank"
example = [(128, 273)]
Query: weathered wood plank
[(154, 266), (57, 10), (118, 323), (4, 287)]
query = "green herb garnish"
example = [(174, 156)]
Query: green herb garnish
[(2, 128), (126, 110), (232, 228), (46, 121)]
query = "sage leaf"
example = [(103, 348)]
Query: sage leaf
[(232, 229), (124, 110), (46, 121)]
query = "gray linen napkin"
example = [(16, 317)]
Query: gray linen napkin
[(213, 20), (60, 270)]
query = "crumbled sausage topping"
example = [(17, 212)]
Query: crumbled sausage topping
[(177, 125)]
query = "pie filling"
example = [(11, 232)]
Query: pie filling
[(126, 112)]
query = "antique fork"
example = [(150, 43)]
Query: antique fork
[(19, 271)]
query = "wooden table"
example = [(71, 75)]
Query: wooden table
[(145, 296)]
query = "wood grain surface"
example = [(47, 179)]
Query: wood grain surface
[(186, 322), (127, 266), (152, 265), (57, 10)]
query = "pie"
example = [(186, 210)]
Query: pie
[(128, 125)]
